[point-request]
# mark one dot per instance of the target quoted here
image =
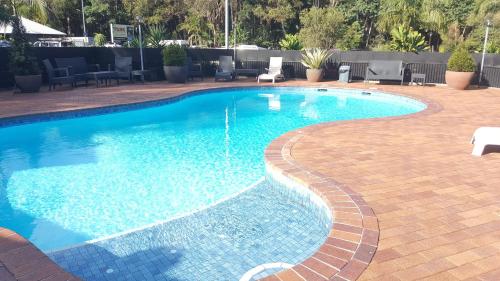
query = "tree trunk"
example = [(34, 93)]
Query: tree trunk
[(369, 34)]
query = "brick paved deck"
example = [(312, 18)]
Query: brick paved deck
[(20, 260), (438, 208)]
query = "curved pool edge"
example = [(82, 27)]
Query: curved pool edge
[(359, 219), (69, 113), (353, 238)]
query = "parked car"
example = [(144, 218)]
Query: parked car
[(112, 45), (47, 44), (249, 47), (4, 43)]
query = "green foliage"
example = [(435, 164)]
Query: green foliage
[(291, 42), (321, 27), (397, 12), (4, 13), (242, 35), (461, 61), (346, 24), (196, 28), (174, 55), (493, 48), (352, 38), (155, 34), (99, 39), (315, 58), (134, 43), (97, 13), (21, 58), (405, 39)]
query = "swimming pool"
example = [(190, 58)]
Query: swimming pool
[(71, 180)]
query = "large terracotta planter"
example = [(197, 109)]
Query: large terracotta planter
[(175, 74), (458, 80), (314, 75), (28, 83)]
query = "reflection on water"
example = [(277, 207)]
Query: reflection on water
[(70, 180)]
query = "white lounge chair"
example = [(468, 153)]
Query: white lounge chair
[(274, 72), (484, 136)]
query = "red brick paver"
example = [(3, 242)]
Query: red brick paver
[(405, 185), (20, 260)]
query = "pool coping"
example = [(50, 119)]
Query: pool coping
[(338, 258), (353, 239)]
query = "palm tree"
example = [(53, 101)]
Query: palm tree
[(397, 12), (433, 17), (38, 8)]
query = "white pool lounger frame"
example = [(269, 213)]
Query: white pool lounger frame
[(484, 136), (248, 276)]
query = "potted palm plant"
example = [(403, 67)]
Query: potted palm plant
[(174, 63), (22, 62), (460, 70), (314, 60)]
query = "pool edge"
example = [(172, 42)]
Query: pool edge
[(352, 269), (339, 258)]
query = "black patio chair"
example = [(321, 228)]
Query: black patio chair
[(194, 69), (58, 76), (122, 68)]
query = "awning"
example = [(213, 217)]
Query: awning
[(31, 28)]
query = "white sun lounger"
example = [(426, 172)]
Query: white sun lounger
[(274, 72), (484, 136)]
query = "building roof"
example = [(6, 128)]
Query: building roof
[(31, 28)]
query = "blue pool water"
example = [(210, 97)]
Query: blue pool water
[(264, 224), (67, 181)]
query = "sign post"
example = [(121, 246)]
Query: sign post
[(121, 32)]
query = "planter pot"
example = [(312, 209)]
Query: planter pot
[(458, 80), (314, 75), (175, 74), (28, 83)]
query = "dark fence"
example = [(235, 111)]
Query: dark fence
[(432, 64)]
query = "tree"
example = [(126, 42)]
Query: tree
[(278, 11), (321, 27), (397, 12), (65, 15), (433, 18), (197, 29), (364, 12), (4, 13), (352, 38), (34, 9), (21, 58), (97, 15)]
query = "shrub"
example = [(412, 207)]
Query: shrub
[(155, 35), (461, 61), (290, 42), (174, 55), (315, 58), (405, 39), (22, 61), (99, 39)]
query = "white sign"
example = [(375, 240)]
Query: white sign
[(121, 32)]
